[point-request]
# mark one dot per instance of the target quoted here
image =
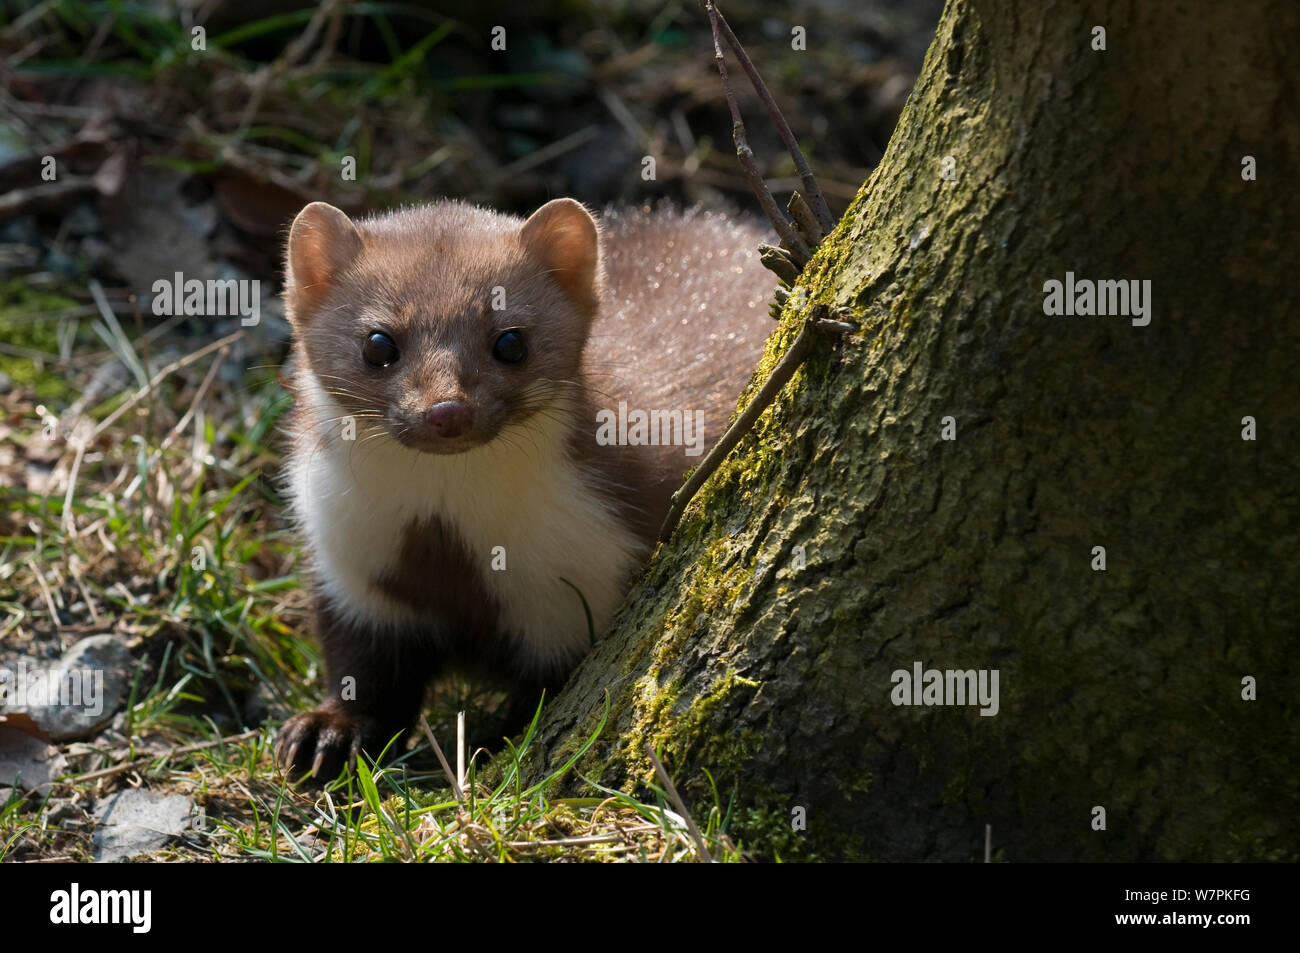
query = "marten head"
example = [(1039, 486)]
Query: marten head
[(444, 324)]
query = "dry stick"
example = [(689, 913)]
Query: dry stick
[(784, 370), (777, 261), (45, 591), (109, 359), (82, 443), (804, 219), (564, 842), (547, 153), (746, 155), (17, 201), (69, 522), (180, 424), (678, 803), (157, 379), (332, 33), (460, 750), (230, 154), (618, 109), (442, 759), (294, 52), (774, 112), (85, 593), (183, 749), (194, 404)]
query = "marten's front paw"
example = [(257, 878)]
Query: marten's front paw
[(321, 742)]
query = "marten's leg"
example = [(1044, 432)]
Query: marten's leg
[(522, 702), (375, 683), (495, 661)]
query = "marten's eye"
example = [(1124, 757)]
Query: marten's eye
[(510, 348), (379, 350)]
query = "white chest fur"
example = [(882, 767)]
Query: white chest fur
[(353, 500)]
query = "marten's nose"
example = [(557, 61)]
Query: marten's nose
[(450, 418)]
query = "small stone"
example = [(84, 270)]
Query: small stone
[(81, 693), (137, 821), (58, 810), (29, 764)]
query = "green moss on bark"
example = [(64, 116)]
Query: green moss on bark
[(1120, 688)]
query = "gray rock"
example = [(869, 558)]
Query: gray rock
[(81, 693), (137, 821), (58, 810), (28, 763)]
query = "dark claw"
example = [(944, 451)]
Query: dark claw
[(323, 742)]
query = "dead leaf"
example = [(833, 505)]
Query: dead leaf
[(112, 173), (21, 723), (259, 208)]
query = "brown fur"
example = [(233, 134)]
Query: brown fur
[(668, 311), (425, 276)]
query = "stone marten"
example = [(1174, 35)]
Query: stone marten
[(491, 415)]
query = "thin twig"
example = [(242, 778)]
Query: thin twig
[(292, 54), (46, 195), (795, 356), (442, 759), (549, 152), (778, 261), (678, 803), (58, 360), (810, 185), (746, 155), (180, 425), (101, 378), (69, 522), (174, 752), (157, 379), (80, 443), (460, 750), (618, 109), (45, 591), (568, 841), (805, 219), (194, 404), (85, 593)]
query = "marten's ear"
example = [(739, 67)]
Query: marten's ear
[(322, 242), (562, 236)]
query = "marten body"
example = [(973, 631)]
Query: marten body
[(447, 472)]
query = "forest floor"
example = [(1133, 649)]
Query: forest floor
[(139, 452)]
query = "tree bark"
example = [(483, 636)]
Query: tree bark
[(1120, 688)]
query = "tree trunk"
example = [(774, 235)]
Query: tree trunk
[(1119, 688)]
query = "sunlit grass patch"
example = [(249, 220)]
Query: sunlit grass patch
[(173, 539), (396, 813)]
